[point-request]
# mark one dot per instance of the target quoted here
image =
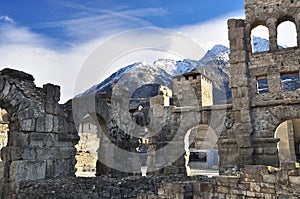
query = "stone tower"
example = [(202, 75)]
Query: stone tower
[(258, 114), (192, 89)]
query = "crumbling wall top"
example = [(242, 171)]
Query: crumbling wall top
[(269, 2), (16, 74)]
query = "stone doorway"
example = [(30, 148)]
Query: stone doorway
[(289, 145), (200, 144)]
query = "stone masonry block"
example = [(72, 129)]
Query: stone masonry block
[(27, 170), (42, 139), (295, 180), (18, 139), (269, 178), (27, 125), (43, 153), (52, 92), (2, 171), (49, 122), (40, 124), (5, 90)]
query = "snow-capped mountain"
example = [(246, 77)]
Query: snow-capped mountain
[(132, 77), (215, 65)]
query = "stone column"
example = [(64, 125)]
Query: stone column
[(241, 94)]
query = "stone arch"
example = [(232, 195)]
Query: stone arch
[(286, 23), (41, 135), (200, 143), (259, 32), (265, 123), (18, 106), (282, 113), (288, 133)]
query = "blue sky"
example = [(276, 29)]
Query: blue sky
[(53, 18), (51, 38)]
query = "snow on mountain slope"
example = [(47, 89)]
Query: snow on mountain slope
[(260, 44), (215, 64)]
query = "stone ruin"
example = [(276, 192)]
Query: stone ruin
[(42, 133), (41, 136)]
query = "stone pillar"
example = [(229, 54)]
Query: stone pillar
[(272, 35), (239, 84), (291, 139)]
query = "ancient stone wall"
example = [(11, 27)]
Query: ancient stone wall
[(257, 115), (41, 135), (254, 182)]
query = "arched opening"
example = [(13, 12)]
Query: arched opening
[(286, 35), (86, 149), (260, 39), (289, 145), (200, 145), (3, 129)]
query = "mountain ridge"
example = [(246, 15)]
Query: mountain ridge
[(214, 64)]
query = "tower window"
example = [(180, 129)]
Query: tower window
[(287, 35), (262, 84), (290, 81), (260, 39)]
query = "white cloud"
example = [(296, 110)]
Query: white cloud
[(6, 18), (13, 34), (211, 32), (101, 22), (25, 50), (29, 52)]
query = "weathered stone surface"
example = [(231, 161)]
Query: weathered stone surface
[(269, 178), (27, 170), (37, 120), (33, 115), (295, 180)]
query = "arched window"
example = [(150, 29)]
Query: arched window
[(260, 39), (286, 35)]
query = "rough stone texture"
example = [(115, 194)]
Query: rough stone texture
[(258, 115), (42, 132), (252, 182), (102, 187), (37, 122), (192, 89), (106, 112)]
